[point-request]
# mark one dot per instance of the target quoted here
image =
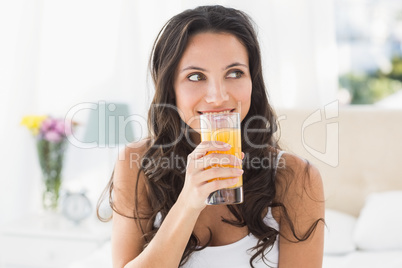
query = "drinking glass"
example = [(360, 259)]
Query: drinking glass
[(224, 127)]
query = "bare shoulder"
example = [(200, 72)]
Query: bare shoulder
[(129, 159), (132, 154), (300, 191), (130, 205), (298, 173), (296, 163), (300, 188), (127, 179)]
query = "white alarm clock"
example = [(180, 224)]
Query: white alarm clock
[(76, 206)]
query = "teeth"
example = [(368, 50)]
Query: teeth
[(224, 112)]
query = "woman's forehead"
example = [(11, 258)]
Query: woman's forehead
[(206, 46)]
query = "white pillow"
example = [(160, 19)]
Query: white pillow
[(379, 226), (338, 237)]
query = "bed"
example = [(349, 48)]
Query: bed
[(350, 242), (374, 239), (358, 151), (359, 154)]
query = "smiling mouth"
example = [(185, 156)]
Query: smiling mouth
[(217, 111)]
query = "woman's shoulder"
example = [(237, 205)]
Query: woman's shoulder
[(299, 188), (300, 167), (133, 149), (296, 175), (128, 181), (129, 160)]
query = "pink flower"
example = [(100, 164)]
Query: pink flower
[(59, 126), (68, 127), (51, 129), (53, 136), (54, 130), (47, 125)]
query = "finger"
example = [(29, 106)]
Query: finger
[(242, 155), (206, 146), (219, 172), (220, 184), (217, 159)]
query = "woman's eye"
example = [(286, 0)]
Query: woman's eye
[(196, 77), (235, 74)]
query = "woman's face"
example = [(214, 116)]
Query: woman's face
[(212, 76)]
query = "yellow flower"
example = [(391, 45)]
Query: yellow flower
[(33, 122)]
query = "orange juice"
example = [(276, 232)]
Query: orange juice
[(230, 136), (225, 127)]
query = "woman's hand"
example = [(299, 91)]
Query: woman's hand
[(201, 171)]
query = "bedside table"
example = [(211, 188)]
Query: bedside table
[(50, 241)]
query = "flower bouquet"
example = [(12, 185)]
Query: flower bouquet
[(51, 139)]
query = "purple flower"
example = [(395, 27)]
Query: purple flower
[(68, 128), (59, 126), (53, 136), (54, 130), (47, 125)]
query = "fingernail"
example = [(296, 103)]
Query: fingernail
[(239, 171)]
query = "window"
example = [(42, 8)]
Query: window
[(369, 41)]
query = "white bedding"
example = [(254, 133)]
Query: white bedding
[(372, 240), (365, 259), (102, 258), (356, 259)]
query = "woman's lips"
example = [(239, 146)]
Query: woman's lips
[(217, 111)]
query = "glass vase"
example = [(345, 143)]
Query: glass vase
[(51, 155)]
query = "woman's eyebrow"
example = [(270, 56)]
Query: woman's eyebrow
[(192, 67), (235, 64)]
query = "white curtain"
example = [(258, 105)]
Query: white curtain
[(56, 54), (19, 53)]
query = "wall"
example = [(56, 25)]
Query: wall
[(357, 152)]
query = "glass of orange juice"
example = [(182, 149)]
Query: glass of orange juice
[(224, 126)]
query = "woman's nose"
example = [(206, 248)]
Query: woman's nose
[(216, 93)]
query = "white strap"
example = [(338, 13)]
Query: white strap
[(278, 157)]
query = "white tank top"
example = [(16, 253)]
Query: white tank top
[(237, 254)]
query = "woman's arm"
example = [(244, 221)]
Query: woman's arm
[(127, 240), (167, 247), (303, 197)]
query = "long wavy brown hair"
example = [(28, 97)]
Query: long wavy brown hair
[(170, 136)]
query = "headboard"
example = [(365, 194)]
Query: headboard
[(358, 150)]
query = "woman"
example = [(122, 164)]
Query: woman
[(208, 60)]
